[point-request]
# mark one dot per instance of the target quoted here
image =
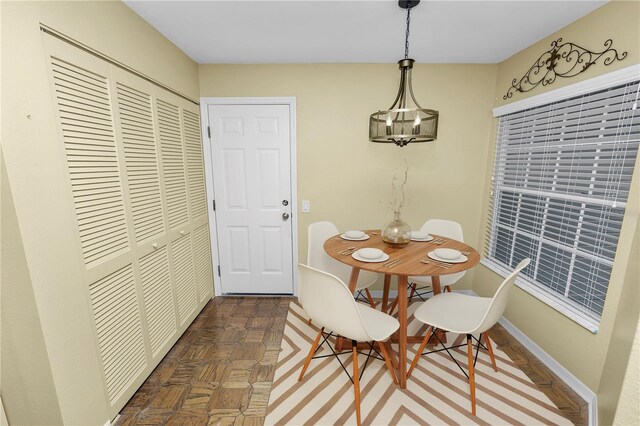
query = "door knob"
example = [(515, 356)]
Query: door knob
[(285, 202), (285, 216)]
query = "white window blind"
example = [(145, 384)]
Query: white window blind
[(559, 190)]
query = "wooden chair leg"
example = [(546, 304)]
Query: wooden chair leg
[(371, 302), (393, 306), (356, 379), (309, 322), (447, 288), (419, 353), (413, 290), (387, 360), (385, 292), (393, 358), (472, 379), (311, 352), (487, 342)]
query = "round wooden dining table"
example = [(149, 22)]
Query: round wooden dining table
[(411, 260)]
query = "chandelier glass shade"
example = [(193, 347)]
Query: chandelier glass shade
[(405, 121)]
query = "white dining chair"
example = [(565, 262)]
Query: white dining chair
[(328, 302), (468, 315), (444, 228), (416, 286), (317, 258)]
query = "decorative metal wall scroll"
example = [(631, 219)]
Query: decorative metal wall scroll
[(563, 60)]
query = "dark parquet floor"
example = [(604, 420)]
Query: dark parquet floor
[(220, 371)]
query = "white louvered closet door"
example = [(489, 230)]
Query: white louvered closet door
[(173, 158), (134, 159), (197, 201), (137, 133), (86, 121), (174, 168), (82, 89), (137, 136)]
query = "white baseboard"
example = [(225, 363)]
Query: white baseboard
[(3, 416), (565, 375), (112, 422)]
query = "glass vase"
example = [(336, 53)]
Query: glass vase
[(396, 234)]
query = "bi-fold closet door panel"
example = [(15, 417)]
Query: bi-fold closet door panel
[(136, 185), (190, 115), (82, 90), (183, 171), (136, 128)]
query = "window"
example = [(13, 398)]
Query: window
[(559, 190)]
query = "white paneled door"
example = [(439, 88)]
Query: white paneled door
[(251, 158)]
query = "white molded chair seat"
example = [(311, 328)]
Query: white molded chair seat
[(329, 303), (455, 312), (317, 258), (379, 325), (464, 314)]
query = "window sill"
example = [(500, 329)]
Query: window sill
[(554, 302)]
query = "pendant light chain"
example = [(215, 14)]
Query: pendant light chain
[(406, 40)]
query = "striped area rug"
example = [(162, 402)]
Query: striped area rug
[(437, 392)]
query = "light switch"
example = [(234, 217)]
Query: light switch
[(306, 206)]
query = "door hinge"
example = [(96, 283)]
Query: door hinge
[(214, 204), (219, 270), (209, 132)]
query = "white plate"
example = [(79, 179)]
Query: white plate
[(447, 253), (370, 253), (429, 238), (344, 237), (358, 234), (461, 259), (382, 258)]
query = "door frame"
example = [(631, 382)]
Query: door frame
[(205, 102)]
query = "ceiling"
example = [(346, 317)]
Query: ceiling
[(324, 31)]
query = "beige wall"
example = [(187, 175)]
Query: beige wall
[(347, 178), (27, 382), (36, 174), (619, 364), (577, 349), (628, 410)]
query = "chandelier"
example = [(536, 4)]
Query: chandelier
[(405, 121)]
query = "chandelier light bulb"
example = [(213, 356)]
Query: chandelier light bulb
[(416, 125)]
